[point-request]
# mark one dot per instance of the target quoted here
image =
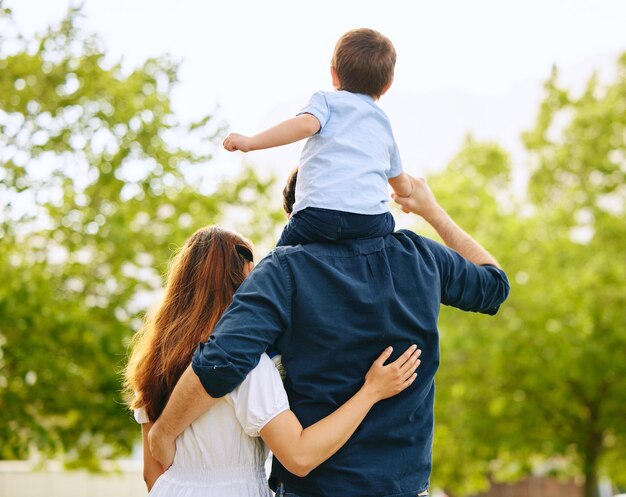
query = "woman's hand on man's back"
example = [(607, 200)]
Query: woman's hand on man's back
[(384, 381)]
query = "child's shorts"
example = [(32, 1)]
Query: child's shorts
[(316, 225)]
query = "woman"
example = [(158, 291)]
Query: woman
[(221, 453)]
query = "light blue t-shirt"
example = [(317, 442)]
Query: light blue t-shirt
[(345, 166)]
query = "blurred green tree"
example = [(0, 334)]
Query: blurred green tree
[(99, 183), (542, 386)]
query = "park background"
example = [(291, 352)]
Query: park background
[(111, 117)]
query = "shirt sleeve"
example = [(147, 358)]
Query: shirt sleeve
[(260, 398), (466, 285), (317, 107), (141, 416), (258, 315), (395, 161)]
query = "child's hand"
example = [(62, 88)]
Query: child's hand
[(402, 185), (383, 381), (235, 141), (421, 201)]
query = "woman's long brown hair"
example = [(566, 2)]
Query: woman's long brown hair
[(201, 281)]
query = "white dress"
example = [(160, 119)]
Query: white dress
[(221, 453)]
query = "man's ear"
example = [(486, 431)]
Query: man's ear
[(386, 87), (335, 76)]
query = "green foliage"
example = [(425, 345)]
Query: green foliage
[(542, 386), (101, 183)]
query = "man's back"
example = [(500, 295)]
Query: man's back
[(331, 309)]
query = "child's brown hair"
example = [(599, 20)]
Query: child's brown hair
[(364, 61)]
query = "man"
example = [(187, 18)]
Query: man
[(330, 309)]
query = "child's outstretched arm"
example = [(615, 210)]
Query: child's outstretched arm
[(289, 131), (301, 450), (401, 185)]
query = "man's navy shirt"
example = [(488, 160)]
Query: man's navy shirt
[(331, 309)]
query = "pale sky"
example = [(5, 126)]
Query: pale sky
[(462, 65)]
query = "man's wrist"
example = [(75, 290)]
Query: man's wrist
[(435, 215), (160, 430)]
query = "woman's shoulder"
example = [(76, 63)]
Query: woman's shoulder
[(262, 379), (141, 416), (260, 397), (264, 369)]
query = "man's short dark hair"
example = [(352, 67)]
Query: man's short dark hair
[(289, 192), (364, 60)]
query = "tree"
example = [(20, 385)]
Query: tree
[(471, 419), (578, 185), (101, 183), (544, 383)]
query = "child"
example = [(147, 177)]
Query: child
[(350, 155)]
